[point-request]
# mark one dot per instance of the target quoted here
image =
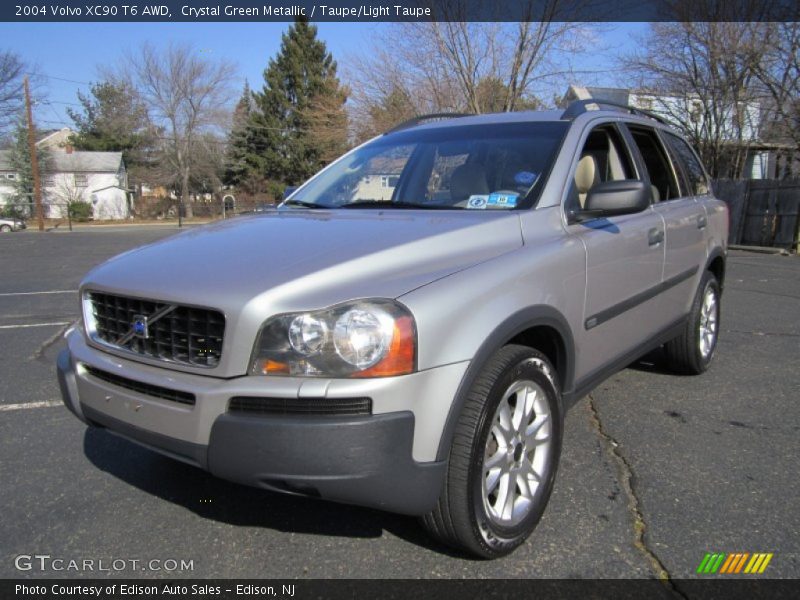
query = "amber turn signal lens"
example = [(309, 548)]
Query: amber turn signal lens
[(273, 366), (400, 358)]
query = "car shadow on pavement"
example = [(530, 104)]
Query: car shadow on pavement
[(219, 500)]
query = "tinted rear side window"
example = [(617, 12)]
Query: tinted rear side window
[(691, 165)]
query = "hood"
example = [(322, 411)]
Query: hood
[(294, 260), (308, 259)]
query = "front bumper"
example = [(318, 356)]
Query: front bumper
[(384, 460)]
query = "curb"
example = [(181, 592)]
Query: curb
[(760, 249)]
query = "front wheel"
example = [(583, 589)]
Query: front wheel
[(504, 456), (692, 351), (5, 228)]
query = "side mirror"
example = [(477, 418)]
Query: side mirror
[(611, 198), (288, 191)]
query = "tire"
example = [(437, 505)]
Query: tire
[(485, 456), (693, 350), (5, 228)]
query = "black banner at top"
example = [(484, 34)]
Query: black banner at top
[(397, 10)]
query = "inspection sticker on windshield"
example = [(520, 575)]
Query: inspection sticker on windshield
[(478, 201), (525, 178), (502, 200)]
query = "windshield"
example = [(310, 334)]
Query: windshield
[(493, 166)]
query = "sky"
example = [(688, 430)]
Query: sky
[(75, 51)]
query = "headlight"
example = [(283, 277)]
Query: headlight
[(369, 338)]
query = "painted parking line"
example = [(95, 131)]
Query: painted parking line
[(6, 294), (27, 405), (27, 325)]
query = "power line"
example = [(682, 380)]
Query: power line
[(63, 79)]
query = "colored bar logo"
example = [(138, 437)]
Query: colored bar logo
[(734, 563)]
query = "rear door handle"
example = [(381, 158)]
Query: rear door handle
[(702, 221), (655, 236)]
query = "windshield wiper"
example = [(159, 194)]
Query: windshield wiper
[(303, 203), (392, 204)]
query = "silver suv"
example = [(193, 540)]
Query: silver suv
[(407, 329)]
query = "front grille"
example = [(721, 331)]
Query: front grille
[(147, 389), (301, 406), (185, 334)]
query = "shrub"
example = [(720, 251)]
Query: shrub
[(80, 211)]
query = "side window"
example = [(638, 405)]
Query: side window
[(662, 177), (604, 157), (698, 184)]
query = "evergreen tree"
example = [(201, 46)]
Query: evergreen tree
[(114, 119), (240, 165), (20, 159), (282, 144)]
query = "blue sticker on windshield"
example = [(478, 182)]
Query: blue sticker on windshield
[(502, 200), (477, 201), (525, 178)]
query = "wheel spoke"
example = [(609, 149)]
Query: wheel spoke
[(492, 479), (509, 495), (504, 419), (534, 434)]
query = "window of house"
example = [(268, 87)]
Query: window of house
[(49, 180), (81, 180), (11, 176), (662, 177), (389, 181)]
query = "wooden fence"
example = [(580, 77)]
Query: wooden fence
[(764, 212)]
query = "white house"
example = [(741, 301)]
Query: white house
[(758, 157), (99, 178)]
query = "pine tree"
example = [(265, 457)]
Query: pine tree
[(114, 119), (240, 165), (282, 145), (20, 159)]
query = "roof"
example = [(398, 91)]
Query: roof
[(75, 162)]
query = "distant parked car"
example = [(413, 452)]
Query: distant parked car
[(7, 225)]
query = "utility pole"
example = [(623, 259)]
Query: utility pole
[(37, 186)]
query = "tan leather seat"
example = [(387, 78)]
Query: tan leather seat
[(585, 176)]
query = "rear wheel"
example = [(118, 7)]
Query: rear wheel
[(692, 351), (504, 455)]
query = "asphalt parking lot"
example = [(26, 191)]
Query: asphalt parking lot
[(657, 469)]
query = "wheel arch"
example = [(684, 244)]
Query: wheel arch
[(716, 264), (541, 327)]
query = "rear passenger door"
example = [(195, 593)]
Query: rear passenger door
[(684, 220)]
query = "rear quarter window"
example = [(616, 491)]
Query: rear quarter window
[(698, 184)]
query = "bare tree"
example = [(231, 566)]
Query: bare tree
[(451, 64), (779, 77), (12, 70), (187, 95), (701, 75)]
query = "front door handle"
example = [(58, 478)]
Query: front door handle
[(655, 236), (702, 221)]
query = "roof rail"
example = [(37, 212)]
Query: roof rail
[(422, 118), (578, 107)]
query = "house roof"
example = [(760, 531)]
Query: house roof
[(75, 162)]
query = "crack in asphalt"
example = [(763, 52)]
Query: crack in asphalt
[(626, 478), (39, 353)]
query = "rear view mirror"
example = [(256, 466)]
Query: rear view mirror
[(611, 198)]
